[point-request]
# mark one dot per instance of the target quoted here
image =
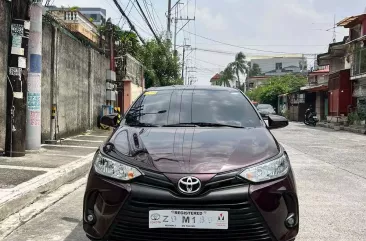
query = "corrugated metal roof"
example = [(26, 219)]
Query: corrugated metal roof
[(349, 20), (215, 77)]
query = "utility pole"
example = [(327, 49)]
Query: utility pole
[(33, 126), (334, 28), (169, 35), (184, 50), (111, 47), (17, 79)]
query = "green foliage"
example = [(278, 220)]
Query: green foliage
[(162, 68), (276, 86), (240, 65), (74, 8), (91, 19), (254, 70), (226, 76), (353, 118)]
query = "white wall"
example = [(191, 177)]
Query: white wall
[(269, 64)]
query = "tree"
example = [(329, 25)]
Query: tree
[(226, 76), (239, 66), (275, 86), (254, 69), (162, 68)]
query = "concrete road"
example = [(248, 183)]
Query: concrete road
[(330, 168)]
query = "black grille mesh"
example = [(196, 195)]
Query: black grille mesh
[(132, 224)]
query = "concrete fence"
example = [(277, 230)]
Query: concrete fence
[(73, 79)]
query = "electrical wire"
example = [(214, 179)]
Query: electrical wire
[(157, 15), (132, 26), (242, 47), (147, 21), (151, 17)]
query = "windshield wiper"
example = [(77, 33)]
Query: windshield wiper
[(180, 125), (141, 124), (205, 124)]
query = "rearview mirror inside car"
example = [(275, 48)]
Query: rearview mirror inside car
[(277, 121)]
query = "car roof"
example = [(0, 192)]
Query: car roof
[(192, 87)]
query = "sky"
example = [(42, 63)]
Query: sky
[(255, 27)]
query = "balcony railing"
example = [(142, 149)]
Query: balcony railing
[(359, 63)]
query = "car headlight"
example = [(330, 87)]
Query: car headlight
[(107, 167), (276, 168)]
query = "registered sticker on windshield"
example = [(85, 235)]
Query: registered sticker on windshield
[(150, 93)]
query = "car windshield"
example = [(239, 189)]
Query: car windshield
[(264, 107), (201, 107)]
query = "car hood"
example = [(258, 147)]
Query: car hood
[(198, 150)]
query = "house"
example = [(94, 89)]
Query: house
[(339, 83), (256, 81), (96, 15), (215, 79), (281, 64), (357, 57), (317, 89), (76, 22)]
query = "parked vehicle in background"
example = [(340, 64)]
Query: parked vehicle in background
[(310, 117), (192, 163), (265, 110)]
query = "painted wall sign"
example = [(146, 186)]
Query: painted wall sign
[(35, 118), (16, 42), (22, 62), (17, 51), (17, 29), (34, 101), (15, 71)]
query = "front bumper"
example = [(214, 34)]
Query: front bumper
[(256, 212)]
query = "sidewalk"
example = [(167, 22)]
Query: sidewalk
[(351, 128), (24, 180)]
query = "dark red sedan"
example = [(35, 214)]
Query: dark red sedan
[(192, 163)]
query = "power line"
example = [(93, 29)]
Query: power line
[(147, 21), (157, 15), (128, 20), (242, 47), (151, 17)]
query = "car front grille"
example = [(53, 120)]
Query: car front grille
[(223, 180), (132, 223)]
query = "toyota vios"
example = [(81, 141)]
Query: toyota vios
[(191, 163)]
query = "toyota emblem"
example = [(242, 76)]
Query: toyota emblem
[(189, 185)]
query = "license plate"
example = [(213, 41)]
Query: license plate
[(188, 219)]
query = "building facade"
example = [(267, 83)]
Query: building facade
[(280, 65), (357, 57), (339, 83), (76, 22), (97, 15)]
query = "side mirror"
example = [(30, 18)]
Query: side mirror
[(277, 121), (109, 120)]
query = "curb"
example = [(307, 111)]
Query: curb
[(29, 192), (11, 223)]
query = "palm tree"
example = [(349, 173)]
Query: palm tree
[(226, 76), (240, 66)]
